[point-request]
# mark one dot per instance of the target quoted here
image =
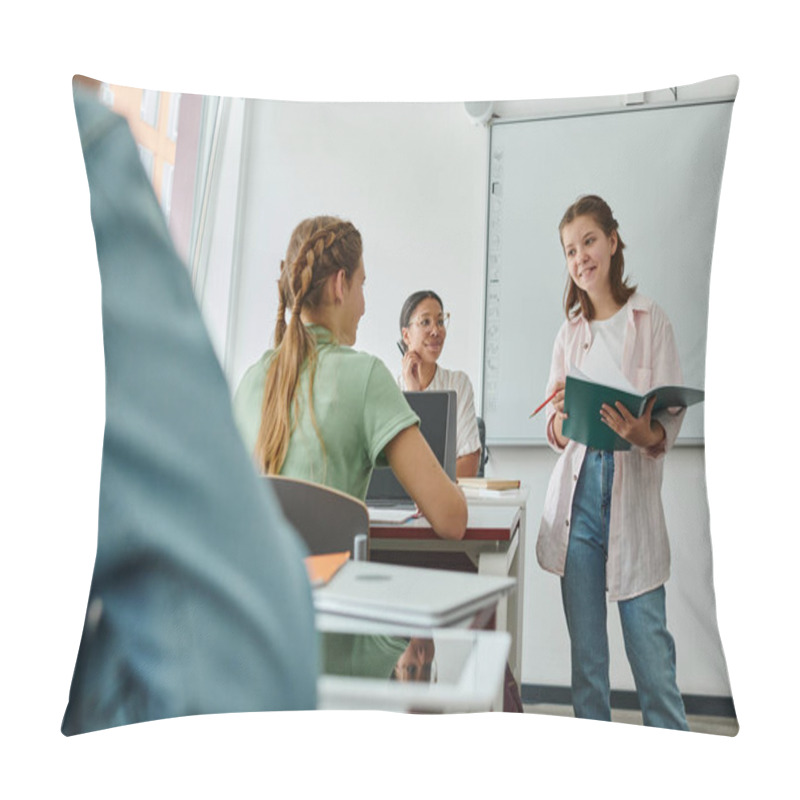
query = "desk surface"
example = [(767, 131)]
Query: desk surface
[(496, 523)]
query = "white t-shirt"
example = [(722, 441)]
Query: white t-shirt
[(603, 361), (467, 438)]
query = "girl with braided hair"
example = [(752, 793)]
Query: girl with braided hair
[(603, 528), (314, 408)]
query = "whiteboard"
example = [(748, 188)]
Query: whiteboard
[(660, 170)]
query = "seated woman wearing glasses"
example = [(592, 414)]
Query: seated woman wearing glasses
[(423, 326)]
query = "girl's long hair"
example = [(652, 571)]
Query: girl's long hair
[(576, 301), (319, 247)]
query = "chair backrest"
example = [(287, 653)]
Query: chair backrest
[(484, 448), (329, 521)]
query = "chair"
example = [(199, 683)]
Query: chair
[(484, 448), (328, 520)]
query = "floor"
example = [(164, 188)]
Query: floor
[(721, 726)]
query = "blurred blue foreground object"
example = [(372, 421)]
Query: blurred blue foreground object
[(199, 601)]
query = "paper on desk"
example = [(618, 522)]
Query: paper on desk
[(394, 516)]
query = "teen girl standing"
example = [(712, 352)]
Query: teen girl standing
[(603, 528)]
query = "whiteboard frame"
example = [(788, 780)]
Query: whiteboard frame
[(541, 441)]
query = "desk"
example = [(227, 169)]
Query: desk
[(467, 665), (371, 598), (494, 542), (516, 498)]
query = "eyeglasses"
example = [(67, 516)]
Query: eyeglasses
[(426, 323)]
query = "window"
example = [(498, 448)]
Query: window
[(106, 95), (166, 187), (149, 109), (146, 154), (174, 111)]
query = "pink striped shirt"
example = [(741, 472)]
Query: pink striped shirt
[(638, 547)]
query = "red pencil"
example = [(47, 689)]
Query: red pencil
[(544, 404)]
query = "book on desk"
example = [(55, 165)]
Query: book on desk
[(488, 485)]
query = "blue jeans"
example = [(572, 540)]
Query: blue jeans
[(648, 644)]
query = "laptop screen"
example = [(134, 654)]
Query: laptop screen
[(437, 422)]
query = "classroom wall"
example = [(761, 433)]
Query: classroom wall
[(412, 177)]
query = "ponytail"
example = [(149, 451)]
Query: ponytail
[(318, 248)]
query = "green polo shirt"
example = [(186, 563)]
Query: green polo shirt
[(358, 406)]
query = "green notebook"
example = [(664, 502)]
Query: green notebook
[(583, 398)]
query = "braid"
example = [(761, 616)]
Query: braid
[(302, 277), (280, 323), (319, 248)]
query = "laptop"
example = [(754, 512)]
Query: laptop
[(437, 412), (393, 594)]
